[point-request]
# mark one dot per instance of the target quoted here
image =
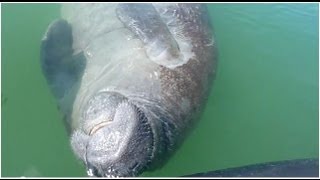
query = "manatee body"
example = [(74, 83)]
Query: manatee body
[(130, 80)]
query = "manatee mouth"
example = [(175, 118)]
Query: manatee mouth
[(122, 147), (119, 137), (98, 126)]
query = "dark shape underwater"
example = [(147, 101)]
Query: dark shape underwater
[(289, 168)]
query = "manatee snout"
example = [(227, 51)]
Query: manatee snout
[(117, 139)]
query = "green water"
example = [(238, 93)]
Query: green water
[(263, 107)]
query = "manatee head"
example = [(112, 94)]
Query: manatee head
[(115, 138)]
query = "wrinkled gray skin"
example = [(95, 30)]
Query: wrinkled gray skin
[(130, 79)]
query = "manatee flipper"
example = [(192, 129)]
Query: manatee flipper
[(145, 22), (62, 69)]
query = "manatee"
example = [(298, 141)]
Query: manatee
[(130, 80)]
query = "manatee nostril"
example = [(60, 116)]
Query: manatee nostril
[(98, 126)]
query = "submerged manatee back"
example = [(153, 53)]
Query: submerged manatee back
[(130, 79)]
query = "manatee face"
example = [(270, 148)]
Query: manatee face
[(117, 140)]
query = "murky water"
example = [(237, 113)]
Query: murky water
[(263, 107)]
